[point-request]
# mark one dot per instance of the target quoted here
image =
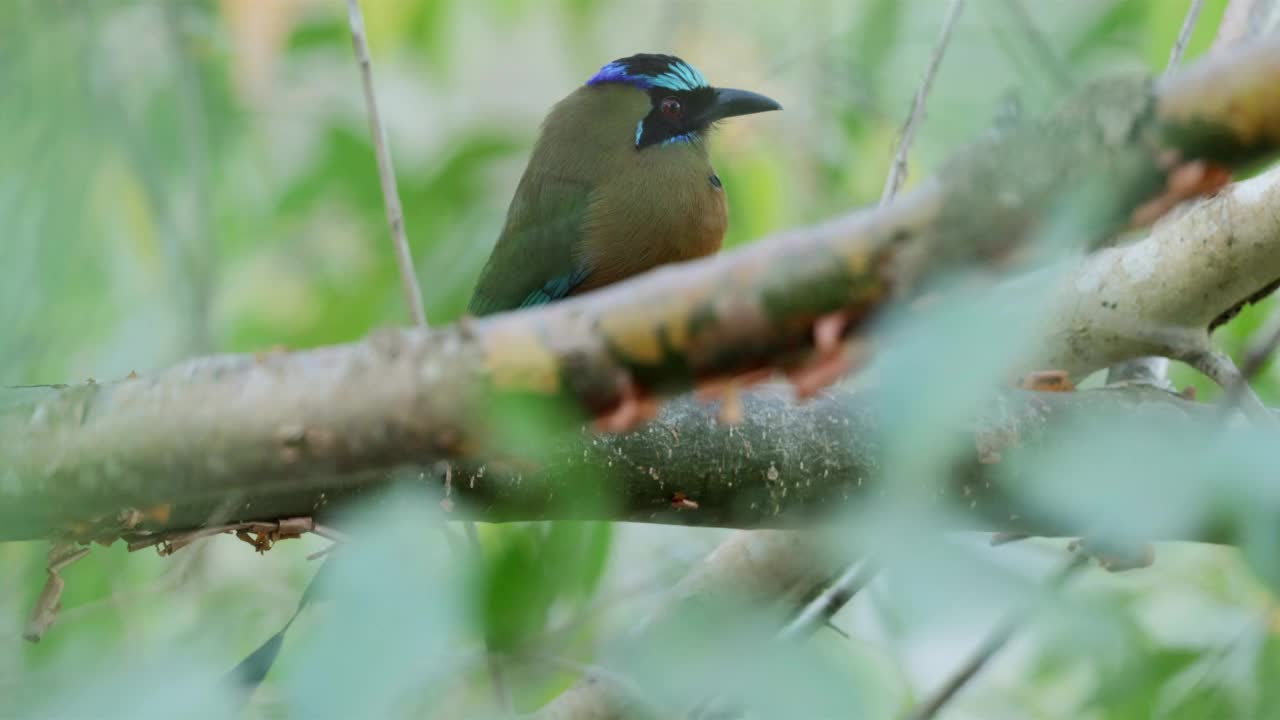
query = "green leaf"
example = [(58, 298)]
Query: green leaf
[(515, 596), (878, 34)]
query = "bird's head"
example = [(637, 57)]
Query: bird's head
[(682, 104)]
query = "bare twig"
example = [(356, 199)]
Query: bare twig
[(818, 612), (47, 605), (261, 534), (324, 531), (329, 533), (1263, 346), (386, 173), (1184, 35), (1220, 368), (898, 171), (991, 645), (323, 552)]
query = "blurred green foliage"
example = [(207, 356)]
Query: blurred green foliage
[(187, 176)]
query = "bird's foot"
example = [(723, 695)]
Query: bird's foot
[(1186, 180), (725, 389), (634, 408), (831, 360)]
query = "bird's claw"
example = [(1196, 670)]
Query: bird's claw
[(832, 358), (634, 408)]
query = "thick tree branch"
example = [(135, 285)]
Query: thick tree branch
[(588, 695), (294, 431), (1161, 295)]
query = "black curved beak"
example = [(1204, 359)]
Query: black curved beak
[(730, 103)]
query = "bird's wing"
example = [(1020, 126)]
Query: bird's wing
[(535, 260)]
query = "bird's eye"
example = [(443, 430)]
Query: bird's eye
[(671, 108)]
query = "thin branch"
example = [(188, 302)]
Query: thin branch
[(1184, 35), (386, 173), (1263, 346), (898, 171), (991, 645), (1259, 351), (1220, 368), (824, 607)]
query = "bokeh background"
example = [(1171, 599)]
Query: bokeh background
[(182, 177)]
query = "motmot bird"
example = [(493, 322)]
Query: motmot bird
[(619, 182)]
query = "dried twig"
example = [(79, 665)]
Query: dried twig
[(328, 533), (824, 607), (386, 173), (898, 171), (991, 645), (47, 605), (261, 534)]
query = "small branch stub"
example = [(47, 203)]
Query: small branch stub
[(47, 605)]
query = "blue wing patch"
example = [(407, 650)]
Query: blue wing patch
[(556, 288)]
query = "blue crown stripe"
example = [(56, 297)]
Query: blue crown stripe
[(678, 76)]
